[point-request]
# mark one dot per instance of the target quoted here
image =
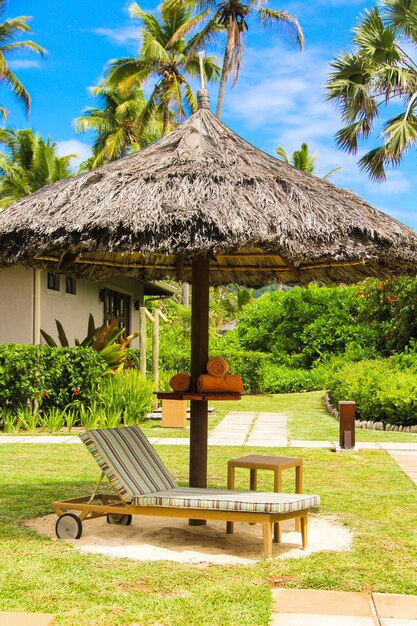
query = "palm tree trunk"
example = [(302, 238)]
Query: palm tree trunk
[(225, 71), (165, 119)]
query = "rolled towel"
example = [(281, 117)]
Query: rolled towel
[(230, 383), (180, 382), (217, 366)]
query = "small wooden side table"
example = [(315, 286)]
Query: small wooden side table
[(253, 462)]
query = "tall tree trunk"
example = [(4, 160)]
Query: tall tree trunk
[(185, 294), (165, 121), (225, 71)]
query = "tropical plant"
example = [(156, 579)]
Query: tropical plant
[(231, 17), (303, 160), (28, 164), (167, 56), (10, 29), (105, 339), (378, 74), (116, 124), (126, 396)]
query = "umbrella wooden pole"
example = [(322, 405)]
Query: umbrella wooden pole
[(199, 358)]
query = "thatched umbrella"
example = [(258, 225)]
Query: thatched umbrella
[(203, 205)]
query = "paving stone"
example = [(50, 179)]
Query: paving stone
[(173, 441), (396, 605), (387, 445), (301, 443), (292, 619), (47, 439), (367, 445), (312, 601), (396, 621), (268, 443), (13, 439)]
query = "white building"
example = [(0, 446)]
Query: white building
[(31, 300)]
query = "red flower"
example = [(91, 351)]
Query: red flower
[(76, 391), (45, 393), (389, 300)]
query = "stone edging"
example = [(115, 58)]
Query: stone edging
[(370, 425)]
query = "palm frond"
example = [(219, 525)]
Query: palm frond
[(376, 40), (190, 99), (126, 69), (287, 24), (187, 27), (373, 163), (282, 155), (24, 46), (402, 15), (17, 88), (347, 137), (332, 172)]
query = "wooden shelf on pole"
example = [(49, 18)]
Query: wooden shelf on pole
[(191, 395)]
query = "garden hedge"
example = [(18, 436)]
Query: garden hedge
[(44, 377), (383, 390)]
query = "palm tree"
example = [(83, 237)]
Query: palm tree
[(231, 17), (10, 29), (377, 73), (303, 160), (165, 56), (116, 123), (29, 164)]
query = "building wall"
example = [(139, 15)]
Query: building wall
[(19, 322), (16, 305), (73, 310)]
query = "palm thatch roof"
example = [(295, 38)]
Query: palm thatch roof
[(203, 190)]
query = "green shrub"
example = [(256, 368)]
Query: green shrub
[(303, 324), (251, 366), (44, 377), (389, 308), (283, 379), (382, 391)]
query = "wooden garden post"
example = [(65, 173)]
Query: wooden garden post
[(199, 358), (155, 346), (142, 340)]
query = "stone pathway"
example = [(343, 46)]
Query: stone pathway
[(407, 460), (232, 430), (240, 428), (308, 607)]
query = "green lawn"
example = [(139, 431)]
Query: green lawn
[(307, 418), (367, 492)]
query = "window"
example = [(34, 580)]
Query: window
[(54, 281), (70, 285), (117, 305)]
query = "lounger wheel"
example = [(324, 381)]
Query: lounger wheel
[(68, 526), (119, 519)]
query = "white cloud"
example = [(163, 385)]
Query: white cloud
[(24, 64), (119, 36), (73, 146)]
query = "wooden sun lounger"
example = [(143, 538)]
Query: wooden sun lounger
[(144, 486)]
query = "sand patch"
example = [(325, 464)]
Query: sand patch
[(159, 539)]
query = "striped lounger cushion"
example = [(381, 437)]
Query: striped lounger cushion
[(128, 461), (226, 500)]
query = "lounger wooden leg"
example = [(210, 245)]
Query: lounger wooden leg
[(267, 535), (229, 528), (277, 533), (303, 523)]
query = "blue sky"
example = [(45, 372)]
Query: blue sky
[(279, 99)]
